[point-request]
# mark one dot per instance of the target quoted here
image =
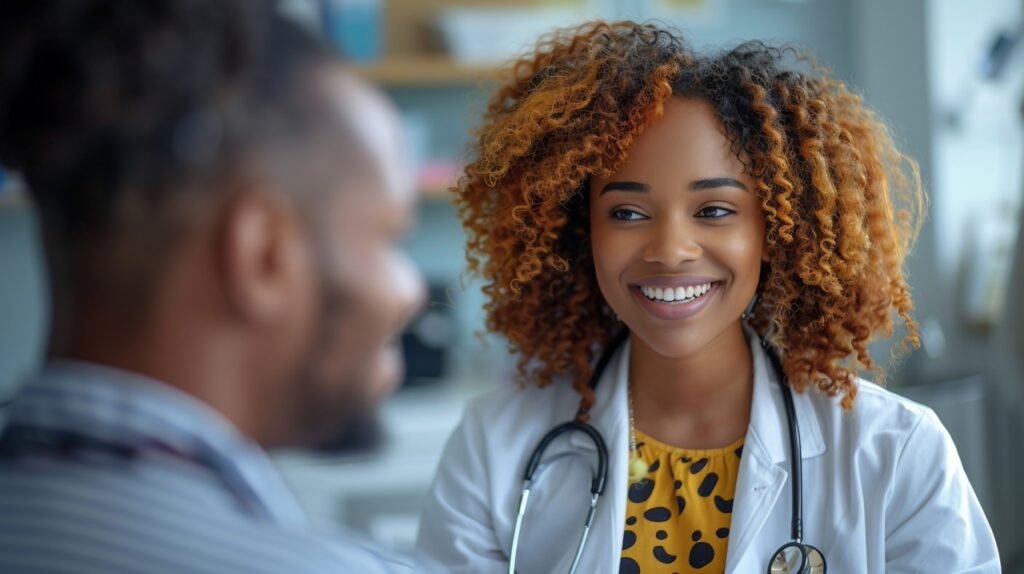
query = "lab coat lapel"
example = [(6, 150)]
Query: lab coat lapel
[(764, 466), (763, 475), (609, 415)]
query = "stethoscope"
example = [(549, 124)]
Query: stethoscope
[(793, 557)]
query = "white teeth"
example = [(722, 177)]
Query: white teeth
[(669, 294)]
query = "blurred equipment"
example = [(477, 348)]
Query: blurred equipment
[(992, 67), (994, 63), (427, 339), (989, 254), (355, 27), (1006, 361)]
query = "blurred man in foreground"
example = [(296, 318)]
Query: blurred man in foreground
[(221, 205)]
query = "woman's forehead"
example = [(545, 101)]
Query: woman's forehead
[(687, 138)]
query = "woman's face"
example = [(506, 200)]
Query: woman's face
[(678, 234)]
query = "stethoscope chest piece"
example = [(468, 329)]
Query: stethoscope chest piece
[(797, 558)]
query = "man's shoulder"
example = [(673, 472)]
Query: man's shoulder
[(68, 517)]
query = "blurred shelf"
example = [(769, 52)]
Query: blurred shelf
[(439, 71)]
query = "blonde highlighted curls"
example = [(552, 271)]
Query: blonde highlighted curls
[(842, 206), (829, 177)]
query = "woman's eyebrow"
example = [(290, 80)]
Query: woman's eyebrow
[(630, 186), (716, 182), (696, 185)]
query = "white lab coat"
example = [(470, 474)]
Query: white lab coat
[(884, 489)]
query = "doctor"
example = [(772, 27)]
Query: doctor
[(720, 230)]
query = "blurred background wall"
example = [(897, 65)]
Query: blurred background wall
[(933, 68)]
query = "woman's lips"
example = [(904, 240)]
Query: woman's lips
[(675, 310)]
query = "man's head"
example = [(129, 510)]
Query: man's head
[(220, 203)]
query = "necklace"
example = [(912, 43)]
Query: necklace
[(637, 467)]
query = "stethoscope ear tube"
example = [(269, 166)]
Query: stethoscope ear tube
[(600, 474), (597, 483)]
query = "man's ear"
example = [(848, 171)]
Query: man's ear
[(263, 257)]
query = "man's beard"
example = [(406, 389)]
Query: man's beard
[(359, 432), (334, 417)]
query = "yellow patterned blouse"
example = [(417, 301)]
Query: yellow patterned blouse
[(677, 519)]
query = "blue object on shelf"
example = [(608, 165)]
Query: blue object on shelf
[(354, 27)]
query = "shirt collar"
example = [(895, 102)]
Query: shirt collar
[(129, 410)]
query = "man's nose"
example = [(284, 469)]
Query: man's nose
[(414, 295)]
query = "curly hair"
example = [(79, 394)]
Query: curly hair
[(842, 204)]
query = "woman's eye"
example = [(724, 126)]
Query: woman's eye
[(714, 212), (624, 214)]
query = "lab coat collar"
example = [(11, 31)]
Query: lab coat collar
[(611, 409), (764, 468), (769, 428)]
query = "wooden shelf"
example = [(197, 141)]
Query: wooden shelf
[(427, 72)]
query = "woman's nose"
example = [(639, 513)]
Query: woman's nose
[(672, 243)]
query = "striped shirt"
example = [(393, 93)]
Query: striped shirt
[(103, 471)]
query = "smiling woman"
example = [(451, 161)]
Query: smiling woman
[(741, 225), (679, 215)]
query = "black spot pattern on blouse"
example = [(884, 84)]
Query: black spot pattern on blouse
[(662, 555), (658, 514), (692, 536), (640, 491), (708, 485), (628, 539)]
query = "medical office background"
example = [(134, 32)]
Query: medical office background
[(946, 74)]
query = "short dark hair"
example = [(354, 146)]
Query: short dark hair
[(104, 97), (107, 102)]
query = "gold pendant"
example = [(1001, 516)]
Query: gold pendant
[(638, 469)]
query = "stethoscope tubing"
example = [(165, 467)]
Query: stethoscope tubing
[(600, 474)]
